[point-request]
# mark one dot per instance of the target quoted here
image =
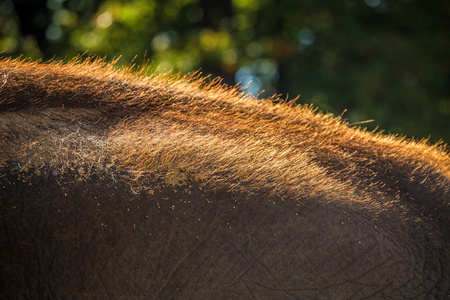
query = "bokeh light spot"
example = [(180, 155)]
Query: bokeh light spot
[(194, 14), (53, 32), (161, 42), (246, 78), (254, 50), (229, 56), (306, 37), (104, 20), (208, 39), (373, 3)]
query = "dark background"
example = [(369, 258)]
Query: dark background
[(383, 60)]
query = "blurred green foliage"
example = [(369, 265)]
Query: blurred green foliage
[(387, 61)]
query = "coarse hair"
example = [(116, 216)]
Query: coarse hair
[(89, 116)]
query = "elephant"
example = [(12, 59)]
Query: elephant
[(125, 184)]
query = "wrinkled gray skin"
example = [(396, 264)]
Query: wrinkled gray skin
[(99, 239)]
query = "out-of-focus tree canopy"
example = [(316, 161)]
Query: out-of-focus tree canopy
[(377, 59)]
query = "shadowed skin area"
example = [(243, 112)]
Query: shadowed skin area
[(116, 184)]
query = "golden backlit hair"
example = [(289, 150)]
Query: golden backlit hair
[(89, 116)]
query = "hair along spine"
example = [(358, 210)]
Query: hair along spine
[(90, 116)]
